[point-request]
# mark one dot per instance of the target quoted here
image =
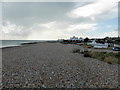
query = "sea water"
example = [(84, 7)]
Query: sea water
[(8, 43)]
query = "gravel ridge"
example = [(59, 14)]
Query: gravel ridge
[(50, 65)]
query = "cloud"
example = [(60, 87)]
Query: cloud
[(55, 30), (12, 31), (29, 13), (113, 33), (98, 10), (82, 27), (44, 31), (49, 20)]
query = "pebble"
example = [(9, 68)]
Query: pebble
[(53, 65)]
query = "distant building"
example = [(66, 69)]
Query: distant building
[(60, 40), (98, 45), (73, 38), (81, 39), (76, 39), (92, 43), (101, 46), (116, 45)]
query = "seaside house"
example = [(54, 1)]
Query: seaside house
[(76, 40), (81, 39), (97, 44), (60, 40), (116, 45), (91, 42)]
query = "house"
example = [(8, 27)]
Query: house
[(60, 40), (76, 40), (98, 45), (91, 42), (116, 45), (73, 38), (81, 39)]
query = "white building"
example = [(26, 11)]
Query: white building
[(101, 45), (116, 45), (76, 39), (98, 45), (81, 39), (60, 40), (92, 43)]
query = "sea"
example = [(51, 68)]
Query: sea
[(10, 43)]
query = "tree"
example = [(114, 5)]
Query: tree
[(86, 39)]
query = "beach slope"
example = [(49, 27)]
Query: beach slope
[(51, 65)]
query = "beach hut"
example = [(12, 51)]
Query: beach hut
[(98, 45), (92, 43)]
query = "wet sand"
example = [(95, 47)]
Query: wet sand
[(50, 65)]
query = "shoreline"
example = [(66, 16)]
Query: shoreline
[(80, 47), (26, 43)]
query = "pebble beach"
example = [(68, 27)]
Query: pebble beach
[(54, 65)]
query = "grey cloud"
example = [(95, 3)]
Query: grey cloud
[(32, 16), (29, 13)]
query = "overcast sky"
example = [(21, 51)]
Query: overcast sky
[(53, 20)]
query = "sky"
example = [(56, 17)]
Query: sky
[(58, 20)]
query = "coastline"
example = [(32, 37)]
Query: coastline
[(25, 43)]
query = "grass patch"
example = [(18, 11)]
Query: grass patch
[(76, 51), (86, 46), (87, 53), (111, 60), (109, 48), (109, 57), (98, 55)]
